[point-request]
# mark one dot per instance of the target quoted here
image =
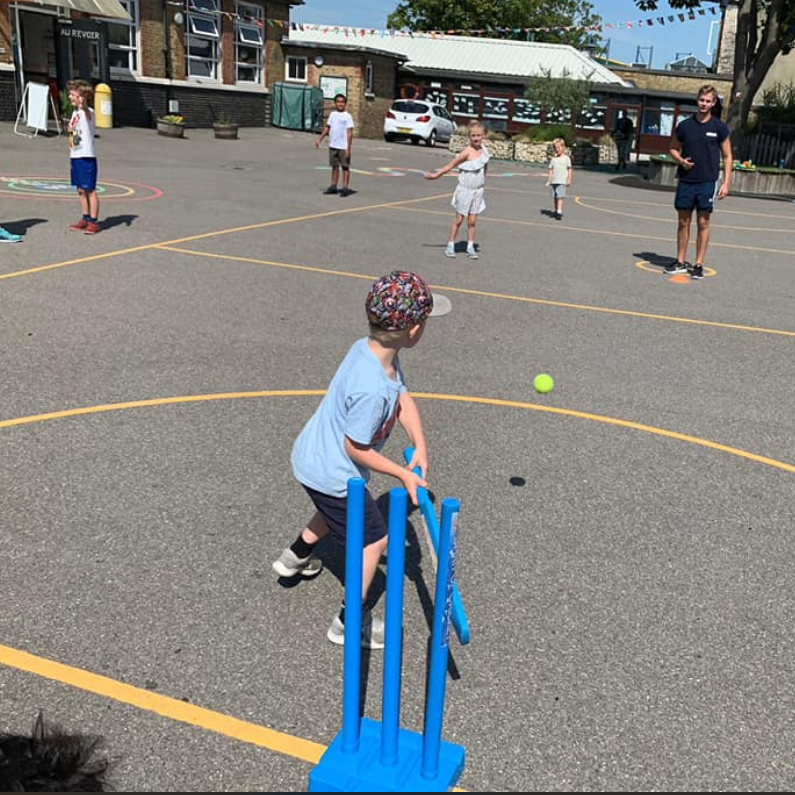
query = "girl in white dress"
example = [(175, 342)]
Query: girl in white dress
[(472, 163)]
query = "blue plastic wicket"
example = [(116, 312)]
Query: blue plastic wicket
[(459, 615), (368, 756), (352, 654), (393, 642), (440, 637)]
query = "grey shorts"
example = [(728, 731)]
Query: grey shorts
[(338, 158), (558, 190)]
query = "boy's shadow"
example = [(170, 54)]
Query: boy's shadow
[(460, 246), (118, 220), (548, 213), (21, 227), (654, 259)]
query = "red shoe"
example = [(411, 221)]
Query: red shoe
[(91, 228), (79, 226)]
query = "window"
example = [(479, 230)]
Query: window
[(368, 77), (526, 111), (436, 95), (123, 39), (202, 39), (466, 104), (296, 69), (495, 107), (249, 53), (658, 118), (592, 116)]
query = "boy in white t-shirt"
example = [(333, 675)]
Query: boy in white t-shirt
[(82, 159), (339, 128), (559, 176)]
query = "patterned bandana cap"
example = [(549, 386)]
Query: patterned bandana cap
[(399, 301)]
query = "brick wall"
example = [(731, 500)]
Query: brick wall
[(368, 110), (138, 104)]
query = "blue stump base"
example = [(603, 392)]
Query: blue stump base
[(363, 772)]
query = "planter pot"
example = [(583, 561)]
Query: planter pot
[(225, 131), (170, 130)]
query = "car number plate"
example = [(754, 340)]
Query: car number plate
[(404, 129)]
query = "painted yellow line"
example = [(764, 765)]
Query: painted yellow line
[(137, 404), (569, 228), (669, 205), (488, 294), (672, 219), (247, 228), (637, 426), (168, 707), (168, 401)]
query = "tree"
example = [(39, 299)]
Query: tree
[(562, 97), (764, 29), (505, 19)]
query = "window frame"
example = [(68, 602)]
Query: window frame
[(132, 48), (296, 59), (203, 12), (249, 17)]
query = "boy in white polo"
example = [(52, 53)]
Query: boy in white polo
[(339, 128)]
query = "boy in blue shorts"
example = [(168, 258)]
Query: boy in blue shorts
[(344, 437), (697, 146), (81, 155)]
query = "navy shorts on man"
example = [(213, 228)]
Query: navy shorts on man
[(334, 511), (84, 173), (699, 196)]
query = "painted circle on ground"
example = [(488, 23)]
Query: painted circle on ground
[(62, 188), (645, 265)]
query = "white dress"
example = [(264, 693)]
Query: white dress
[(468, 196)]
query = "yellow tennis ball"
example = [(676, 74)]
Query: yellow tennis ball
[(543, 383)]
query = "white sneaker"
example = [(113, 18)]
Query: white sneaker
[(372, 632), (290, 565), (450, 250), (472, 252)]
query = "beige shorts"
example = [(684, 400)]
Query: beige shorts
[(338, 158)]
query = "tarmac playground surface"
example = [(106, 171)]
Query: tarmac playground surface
[(625, 549)]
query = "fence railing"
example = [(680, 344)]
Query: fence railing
[(765, 149)]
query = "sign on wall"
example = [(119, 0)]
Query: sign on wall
[(331, 86)]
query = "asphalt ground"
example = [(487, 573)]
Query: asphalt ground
[(625, 542)]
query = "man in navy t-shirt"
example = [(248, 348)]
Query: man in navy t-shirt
[(697, 146)]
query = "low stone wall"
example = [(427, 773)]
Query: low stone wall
[(540, 151), (771, 183)]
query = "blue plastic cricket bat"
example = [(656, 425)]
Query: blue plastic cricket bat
[(457, 613)]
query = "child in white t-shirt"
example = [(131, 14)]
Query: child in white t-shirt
[(82, 158), (339, 128), (559, 176)]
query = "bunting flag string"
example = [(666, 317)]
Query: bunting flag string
[(352, 31)]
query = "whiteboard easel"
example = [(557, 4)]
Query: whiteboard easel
[(34, 110)]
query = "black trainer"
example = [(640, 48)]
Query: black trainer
[(346, 192), (330, 190), (675, 267), (697, 272)]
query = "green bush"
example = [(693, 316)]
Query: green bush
[(548, 132)]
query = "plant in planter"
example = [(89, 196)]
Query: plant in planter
[(225, 128), (172, 126), (65, 105)]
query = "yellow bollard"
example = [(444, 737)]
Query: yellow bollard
[(103, 106)]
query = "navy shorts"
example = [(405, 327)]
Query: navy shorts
[(335, 512), (698, 196), (84, 173)]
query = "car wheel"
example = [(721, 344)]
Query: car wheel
[(431, 139), (415, 141), (389, 137)]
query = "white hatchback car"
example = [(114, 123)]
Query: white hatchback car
[(418, 121)]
